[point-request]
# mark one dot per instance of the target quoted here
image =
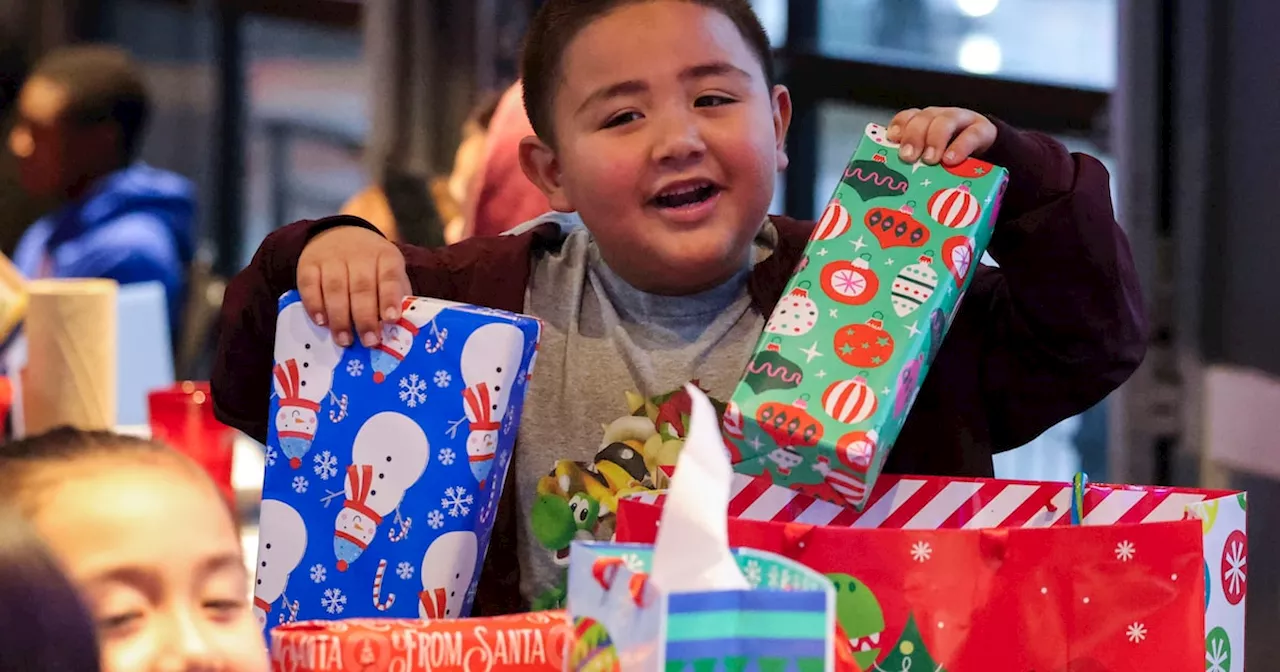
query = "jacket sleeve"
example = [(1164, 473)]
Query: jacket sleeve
[(1065, 322)]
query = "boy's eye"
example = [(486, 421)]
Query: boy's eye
[(226, 608), (117, 624), (712, 100), (621, 118)]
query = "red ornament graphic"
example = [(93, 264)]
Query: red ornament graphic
[(789, 425), (850, 282), (835, 222), (896, 228), (849, 401), (970, 168), (881, 156), (865, 345), (855, 450), (957, 254), (955, 208), (1234, 570)]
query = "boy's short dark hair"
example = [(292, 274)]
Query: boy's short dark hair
[(559, 21), (103, 85)]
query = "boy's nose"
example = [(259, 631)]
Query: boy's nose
[(189, 649), (679, 141)]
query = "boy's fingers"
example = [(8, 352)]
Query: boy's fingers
[(914, 136), (362, 278), (941, 130), (973, 139), (899, 122), (333, 279), (393, 284), (311, 293)]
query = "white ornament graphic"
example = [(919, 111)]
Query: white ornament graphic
[(413, 390), (333, 601), (1136, 633), (355, 368), (326, 465), (1125, 551), (456, 501), (404, 570), (318, 573), (921, 551)]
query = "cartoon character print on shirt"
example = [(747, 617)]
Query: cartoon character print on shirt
[(578, 501)]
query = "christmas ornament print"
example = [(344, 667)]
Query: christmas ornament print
[(874, 179), (850, 401), (914, 285), (1234, 567), (850, 282), (790, 425), (908, 386), (1217, 651), (955, 207), (865, 346), (795, 315), (770, 370), (970, 168), (937, 329), (835, 222), (896, 228), (855, 449), (957, 254)]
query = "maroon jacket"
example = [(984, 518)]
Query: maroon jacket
[(1047, 335)]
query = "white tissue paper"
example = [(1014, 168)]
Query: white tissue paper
[(691, 552)]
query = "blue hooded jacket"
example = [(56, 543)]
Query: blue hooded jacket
[(135, 225)]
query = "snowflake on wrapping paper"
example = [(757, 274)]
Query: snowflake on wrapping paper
[(1217, 651), (326, 465), (456, 501), (921, 551), (271, 456), (446, 456), (632, 562), (300, 484), (318, 573), (435, 520), (413, 390), (1125, 551), (354, 368), (333, 601), (443, 379), (404, 570), (1136, 633), (752, 573), (1233, 561), (780, 578)]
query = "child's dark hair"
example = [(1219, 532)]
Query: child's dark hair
[(104, 84), (559, 21), (29, 465), (44, 625)]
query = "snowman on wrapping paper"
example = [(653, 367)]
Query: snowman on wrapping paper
[(302, 377), (389, 455), (281, 544), (489, 375), (398, 336), (447, 569)]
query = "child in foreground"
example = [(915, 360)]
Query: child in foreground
[(660, 129), (149, 541)]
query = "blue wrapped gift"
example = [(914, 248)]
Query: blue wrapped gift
[(385, 465)]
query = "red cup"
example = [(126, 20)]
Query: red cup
[(182, 417)]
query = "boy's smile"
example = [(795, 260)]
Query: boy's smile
[(667, 143)]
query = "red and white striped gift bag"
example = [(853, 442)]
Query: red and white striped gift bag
[(990, 574)]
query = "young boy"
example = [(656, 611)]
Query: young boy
[(660, 125)]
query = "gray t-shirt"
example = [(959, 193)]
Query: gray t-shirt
[(605, 407)]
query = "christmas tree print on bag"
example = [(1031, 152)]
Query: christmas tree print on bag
[(387, 458), (862, 319)]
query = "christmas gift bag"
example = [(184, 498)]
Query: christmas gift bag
[(385, 466), (686, 602), (975, 574), (842, 357), (534, 642)]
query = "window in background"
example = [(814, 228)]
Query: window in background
[(307, 118), (1063, 450), (773, 14), (1066, 42)]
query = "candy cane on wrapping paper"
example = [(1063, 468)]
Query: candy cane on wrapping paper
[(377, 588), (396, 534), (292, 608)]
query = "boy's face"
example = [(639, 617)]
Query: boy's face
[(54, 153), (159, 562), (668, 141)]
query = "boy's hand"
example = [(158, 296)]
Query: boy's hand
[(351, 275), (946, 134)]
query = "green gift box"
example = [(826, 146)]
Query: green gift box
[(843, 355)]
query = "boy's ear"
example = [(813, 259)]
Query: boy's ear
[(542, 167), (781, 122)]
